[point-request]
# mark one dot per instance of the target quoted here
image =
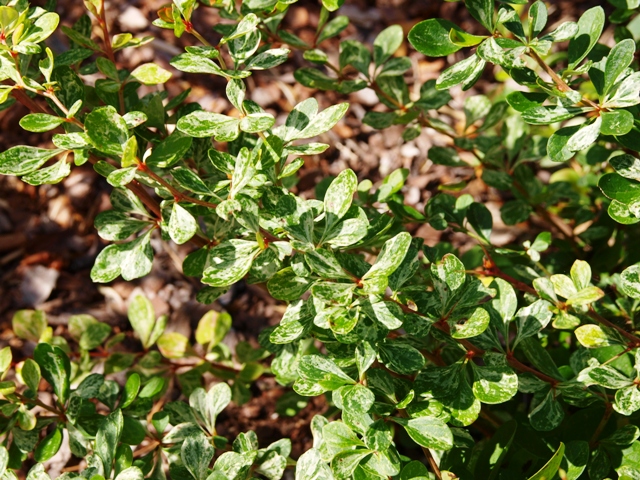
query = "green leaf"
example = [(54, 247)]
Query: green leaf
[(386, 44), (29, 324), (616, 122), (482, 11), (595, 336), (170, 150), (333, 28), (121, 177), (450, 272), (618, 60), (545, 115), (337, 437), (108, 437), (515, 211), (322, 372), (56, 369), (228, 262), (324, 263), (389, 259), (257, 122), (107, 130), (581, 274), (31, 374), (464, 39), (429, 432), (95, 334), (182, 225), (310, 466), (585, 296), (286, 285), (49, 175), (590, 27), (495, 450), (49, 446), (626, 165), (393, 183), (218, 397), (40, 122), (473, 326), (191, 63), (151, 74), (22, 160), (551, 467), (400, 357), (627, 400), (537, 18), (431, 37), (42, 28), (621, 213), (557, 145), (625, 93), (324, 121), (130, 473), (576, 455), (173, 345), (196, 454), (479, 217), (152, 388), (532, 319), (142, 318), (547, 414), (356, 54), (566, 31), (618, 188), (212, 328), (113, 225), (131, 389), (268, 59), (332, 5), (247, 25), (201, 124), (629, 281), (8, 17), (339, 196), (465, 72), (496, 382), (523, 101), (344, 463)]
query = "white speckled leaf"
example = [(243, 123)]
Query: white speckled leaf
[(107, 130), (192, 63), (324, 121), (391, 256), (201, 124), (23, 159), (496, 382), (229, 262), (196, 454), (182, 225)]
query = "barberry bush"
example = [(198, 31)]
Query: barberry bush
[(502, 362)]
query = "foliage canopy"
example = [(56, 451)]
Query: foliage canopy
[(517, 361)]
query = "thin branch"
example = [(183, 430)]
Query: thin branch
[(108, 48), (518, 365), (560, 83), (35, 401), (603, 423), (178, 195), (634, 341)]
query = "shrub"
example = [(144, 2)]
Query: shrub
[(516, 361)]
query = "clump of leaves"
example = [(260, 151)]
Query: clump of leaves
[(505, 361)]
